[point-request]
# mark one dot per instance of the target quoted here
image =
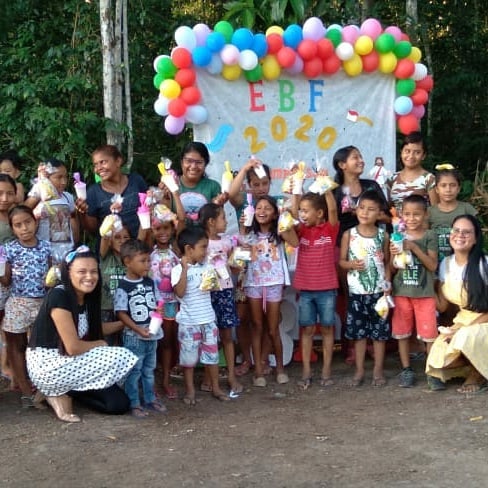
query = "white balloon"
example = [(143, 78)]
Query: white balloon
[(196, 114), (248, 59), (161, 106), (345, 51), (420, 72), (185, 37)]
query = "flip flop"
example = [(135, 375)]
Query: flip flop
[(305, 383), (171, 393), (156, 406), (238, 388), (325, 382), (222, 397), (480, 388), (138, 413), (378, 382), (243, 368), (190, 401), (356, 382)]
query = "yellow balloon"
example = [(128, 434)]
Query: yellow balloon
[(415, 54), (363, 45), (170, 89), (353, 66), (274, 29), (231, 72), (388, 62), (271, 67)]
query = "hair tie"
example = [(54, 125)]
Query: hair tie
[(444, 167), (72, 255)]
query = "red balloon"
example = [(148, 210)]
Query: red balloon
[(419, 96), (404, 37), (407, 124), (331, 64), (404, 68), (426, 84), (275, 43), (190, 95), (181, 57), (185, 77), (370, 62), (286, 57), (177, 107), (307, 49), (312, 68), (325, 48)]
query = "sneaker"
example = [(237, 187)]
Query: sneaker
[(260, 381), (435, 384), (407, 378), (282, 379)]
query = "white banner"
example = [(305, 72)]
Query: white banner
[(294, 118)]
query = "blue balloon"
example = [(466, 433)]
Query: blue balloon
[(403, 105), (242, 39), (259, 45), (201, 56), (292, 36), (215, 42)]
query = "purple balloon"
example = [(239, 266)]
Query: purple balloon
[(201, 33), (297, 66), (174, 125)]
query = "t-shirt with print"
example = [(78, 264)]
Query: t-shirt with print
[(195, 305), (29, 268), (400, 189), (99, 202), (136, 297), (194, 198), (316, 268), (162, 262), (441, 222), (415, 281), (218, 252), (268, 263), (369, 249), (112, 270)]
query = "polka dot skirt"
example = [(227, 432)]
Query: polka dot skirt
[(101, 367)]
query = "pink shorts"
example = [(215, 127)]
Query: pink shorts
[(412, 314), (273, 293)]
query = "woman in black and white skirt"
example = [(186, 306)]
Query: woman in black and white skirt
[(67, 356)]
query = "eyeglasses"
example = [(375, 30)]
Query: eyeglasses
[(196, 162), (461, 232)]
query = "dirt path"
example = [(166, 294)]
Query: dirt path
[(273, 437)]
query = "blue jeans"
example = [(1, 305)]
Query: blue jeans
[(143, 370)]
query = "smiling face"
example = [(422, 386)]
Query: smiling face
[(24, 227), (310, 215), (412, 155), (265, 213), (162, 232), (83, 274), (462, 237), (193, 167), (413, 215), (106, 166), (367, 211), (354, 164)]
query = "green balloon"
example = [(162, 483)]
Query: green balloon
[(157, 80), (225, 29), (254, 74), (385, 43), (166, 67), (335, 36), (402, 49), (405, 87)]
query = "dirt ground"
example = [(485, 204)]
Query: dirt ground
[(277, 436)]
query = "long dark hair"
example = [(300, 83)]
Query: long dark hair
[(92, 299), (274, 237), (341, 156), (476, 274)]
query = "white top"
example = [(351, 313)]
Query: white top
[(195, 304)]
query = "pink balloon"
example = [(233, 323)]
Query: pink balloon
[(418, 111), (229, 54), (395, 32), (350, 33), (371, 28), (174, 125)]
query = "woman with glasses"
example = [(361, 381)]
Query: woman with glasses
[(196, 189), (67, 356), (462, 349)]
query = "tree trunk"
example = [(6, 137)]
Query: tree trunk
[(110, 30), (128, 100)]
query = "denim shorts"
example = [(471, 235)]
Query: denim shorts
[(317, 307), (170, 309)]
